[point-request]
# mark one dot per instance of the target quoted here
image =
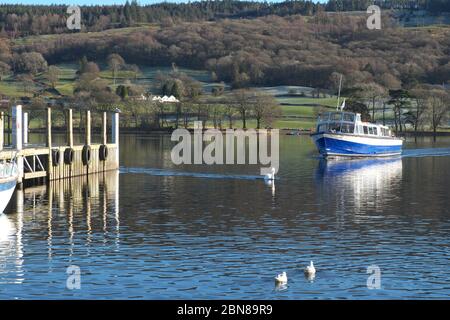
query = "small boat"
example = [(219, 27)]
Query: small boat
[(343, 134), (8, 181)]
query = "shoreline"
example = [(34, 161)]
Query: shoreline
[(284, 131)]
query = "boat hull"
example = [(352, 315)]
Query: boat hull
[(7, 187), (348, 145)]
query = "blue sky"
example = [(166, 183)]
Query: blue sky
[(91, 2)]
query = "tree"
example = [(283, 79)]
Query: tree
[(53, 74), (373, 92), (265, 109), (122, 91), (90, 67), (115, 63), (355, 106), (335, 80), (229, 111), (86, 82), (242, 101), (27, 82), (32, 62), (177, 89), (4, 70), (419, 95), (82, 64), (438, 108), (218, 89), (400, 99)]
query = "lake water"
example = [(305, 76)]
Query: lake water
[(160, 231)]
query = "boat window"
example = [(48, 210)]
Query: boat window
[(370, 130), (347, 128), (350, 117), (322, 128), (334, 127), (360, 129), (366, 130), (375, 131), (336, 116)]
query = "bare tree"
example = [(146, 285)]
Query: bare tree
[(419, 96), (437, 108), (53, 74), (229, 111), (265, 109), (242, 101), (374, 91), (115, 62)]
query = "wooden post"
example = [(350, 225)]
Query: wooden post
[(25, 128), (115, 134), (17, 127), (104, 131), (70, 128), (88, 127), (49, 127), (9, 130), (49, 143), (2, 131), (17, 139)]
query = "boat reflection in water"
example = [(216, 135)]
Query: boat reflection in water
[(68, 212), (359, 185), (11, 247)]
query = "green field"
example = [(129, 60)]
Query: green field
[(327, 102), (298, 112)]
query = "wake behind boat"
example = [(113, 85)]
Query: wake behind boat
[(8, 180), (343, 134)]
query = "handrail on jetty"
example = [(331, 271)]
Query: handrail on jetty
[(53, 162)]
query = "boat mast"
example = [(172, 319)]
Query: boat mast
[(339, 93)]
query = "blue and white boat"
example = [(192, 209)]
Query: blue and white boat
[(8, 181), (343, 134)]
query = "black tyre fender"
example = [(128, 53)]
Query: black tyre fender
[(55, 157), (103, 152), (68, 155), (86, 155)]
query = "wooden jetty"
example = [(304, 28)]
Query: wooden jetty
[(53, 162)]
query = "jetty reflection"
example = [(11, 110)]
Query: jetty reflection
[(359, 185), (69, 212)]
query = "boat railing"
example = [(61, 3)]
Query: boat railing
[(7, 169)]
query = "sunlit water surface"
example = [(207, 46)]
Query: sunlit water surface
[(160, 231)]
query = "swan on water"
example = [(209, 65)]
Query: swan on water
[(281, 278), (270, 176), (310, 270)]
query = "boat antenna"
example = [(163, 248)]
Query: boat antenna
[(339, 92)]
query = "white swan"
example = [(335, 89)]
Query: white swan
[(281, 278), (270, 176), (310, 270)]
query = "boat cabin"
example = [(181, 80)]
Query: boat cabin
[(350, 123)]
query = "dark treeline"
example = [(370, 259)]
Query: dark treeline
[(433, 6), (23, 20)]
